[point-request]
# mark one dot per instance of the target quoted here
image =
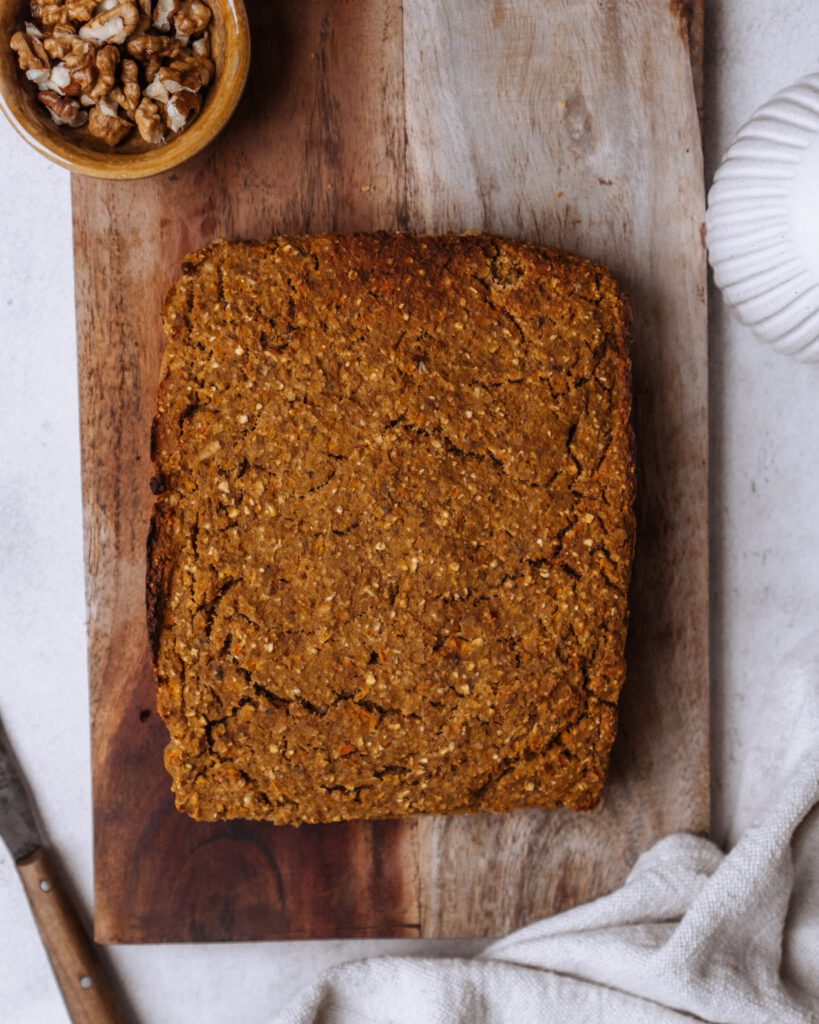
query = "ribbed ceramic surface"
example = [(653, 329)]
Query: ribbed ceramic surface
[(763, 221)]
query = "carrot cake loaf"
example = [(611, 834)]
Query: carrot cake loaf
[(391, 546)]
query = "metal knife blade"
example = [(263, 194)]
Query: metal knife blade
[(17, 825)]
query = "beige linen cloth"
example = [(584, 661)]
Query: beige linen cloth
[(693, 935)]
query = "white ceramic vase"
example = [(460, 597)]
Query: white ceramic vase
[(763, 221)]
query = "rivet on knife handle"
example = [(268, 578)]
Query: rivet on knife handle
[(86, 992)]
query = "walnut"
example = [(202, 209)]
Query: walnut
[(149, 122), (59, 13), (192, 18), (112, 26), (51, 14), (146, 19), (74, 52), (163, 13), (63, 14), (81, 10), (84, 79), (106, 63), (117, 96), (130, 74), (41, 78), (60, 32), (152, 66), (60, 81), (128, 95), (80, 54), (141, 47), (182, 108), (38, 47), (53, 79), (145, 15), (31, 54), (59, 47), (159, 91), (191, 72), (79, 57), (63, 111), (201, 46), (104, 123)]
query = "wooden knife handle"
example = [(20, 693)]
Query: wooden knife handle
[(87, 994)]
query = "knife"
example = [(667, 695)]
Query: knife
[(88, 996)]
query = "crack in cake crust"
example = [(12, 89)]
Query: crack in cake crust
[(393, 531)]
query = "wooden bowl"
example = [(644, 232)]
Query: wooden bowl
[(79, 151)]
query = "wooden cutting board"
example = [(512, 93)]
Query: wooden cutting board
[(572, 122)]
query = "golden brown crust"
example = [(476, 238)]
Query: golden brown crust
[(390, 552)]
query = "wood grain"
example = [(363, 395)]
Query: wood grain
[(565, 121), (88, 996)]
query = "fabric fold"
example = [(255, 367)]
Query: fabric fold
[(693, 935)]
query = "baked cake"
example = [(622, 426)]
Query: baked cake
[(391, 546)]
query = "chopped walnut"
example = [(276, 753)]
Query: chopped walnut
[(60, 41), (104, 123), (130, 77), (51, 14), (142, 47), (192, 18), (81, 10), (89, 60), (80, 53), (106, 63), (112, 26), (63, 111), (182, 108), (84, 78), (63, 14), (191, 72), (152, 66), (145, 15), (80, 61), (163, 13), (202, 46), (59, 47), (31, 54), (51, 79), (129, 94), (38, 47), (149, 121), (41, 77), (161, 91), (61, 81)]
